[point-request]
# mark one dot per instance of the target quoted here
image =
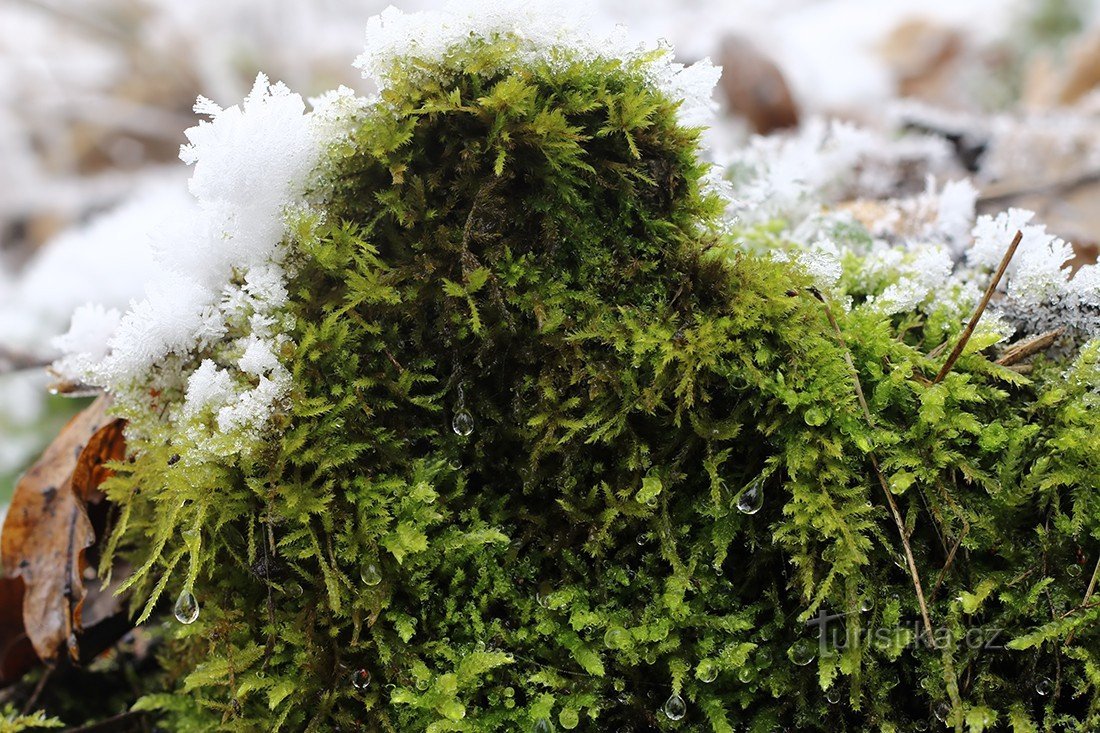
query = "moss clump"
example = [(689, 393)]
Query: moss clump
[(537, 401)]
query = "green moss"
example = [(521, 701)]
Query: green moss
[(532, 246)]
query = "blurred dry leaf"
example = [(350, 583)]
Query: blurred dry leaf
[(48, 529), (923, 56), (755, 88)]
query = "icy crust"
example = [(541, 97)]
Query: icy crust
[(542, 32), (821, 191), (212, 323)]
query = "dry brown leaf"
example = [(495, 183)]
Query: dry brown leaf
[(17, 655), (48, 529), (758, 90)]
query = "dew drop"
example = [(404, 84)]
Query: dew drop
[(707, 671), (542, 726), (463, 423), (868, 604), (751, 499), (294, 590), (569, 718), (803, 652), (370, 574), (675, 708), (746, 675), (942, 711), (186, 608), (615, 637), (360, 679), (815, 416), (1043, 687), (833, 694)]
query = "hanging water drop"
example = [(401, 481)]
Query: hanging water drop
[(675, 708), (186, 608), (616, 637), (868, 604), (542, 726), (569, 718), (746, 675), (833, 694), (1043, 687), (803, 652), (360, 679), (463, 422), (751, 499), (370, 574), (707, 671), (942, 711)]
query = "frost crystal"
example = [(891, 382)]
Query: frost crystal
[(543, 31), (218, 300)]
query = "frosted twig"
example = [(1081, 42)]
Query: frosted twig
[(878, 471), (969, 330)]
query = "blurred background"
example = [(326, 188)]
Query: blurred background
[(95, 96)]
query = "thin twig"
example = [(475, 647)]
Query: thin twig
[(958, 541), (1060, 186), (1022, 349), (18, 361), (969, 330), (45, 678), (1088, 594), (878, 472)]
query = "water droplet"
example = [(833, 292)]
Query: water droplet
[(186, 608), (815, 416), (942, 711), (294, 590), (370, 574), (463, 423), (833, 694), (422, 684), (360, 679), (616, 637), (803, 652), (746, 675), (543, 726), (643, 538), (1044, 687), (675, 708), (707, 671), (569, 718), (868, 604), (751, 499)]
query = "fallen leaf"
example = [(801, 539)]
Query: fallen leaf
[(47, 529), (758, 91), (17, 655)]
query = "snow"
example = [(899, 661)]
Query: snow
[(221, 269), (543, 30), (206, 273)]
